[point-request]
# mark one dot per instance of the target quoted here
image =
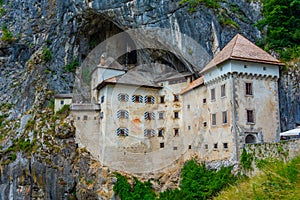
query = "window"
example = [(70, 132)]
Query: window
[(85, 117), (250, 116), (264, 68), (206, 146), (188, 106), (249, 89), (149, 116), (102, 99), (189, 127), (216, 145), (137, 99), (174, 148), (122, 132), (213, 94), (162, 99), (176, 132), (160, 115), (224, 117), (225, 145), (149, 132), (101, 115), (121, 97), (149, 99), (223, 90), (78, 118), (95, 118), (190, 146), (160, 133), (176, 97), (162, 145), (123, 114), (205, 124), (176, 115), (62, 102), (245, 66), (213, 119), (204, 101)]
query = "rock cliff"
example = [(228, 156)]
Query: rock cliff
[(49, 38)]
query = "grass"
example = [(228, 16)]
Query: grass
[(276, 180)]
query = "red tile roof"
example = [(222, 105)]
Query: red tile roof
[(240, 48), (193, 84)]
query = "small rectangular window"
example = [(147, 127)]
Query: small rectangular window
[(78, 118), (205, 124), (122, 97), (223, 90), (213, 94), (162, 145), (62, 102), (250, 116), (174, 148), (188, 106), (160, 133), (216, 145), (204, 101), (213, 119), (102, 99), (249, 90), (101, 115), (162, 99), (160, 115), (190, 146), (85, 117), (224, 117), (176, 114), (189, 127), (176, 132), (176, 97), (225, 145), (206, 146)]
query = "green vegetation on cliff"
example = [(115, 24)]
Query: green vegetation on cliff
[(197, 182), (282, 27)]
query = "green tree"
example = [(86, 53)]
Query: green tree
[(282, 22)]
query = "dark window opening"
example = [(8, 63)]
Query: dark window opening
[(162, 145), (102, 99), (224, 116), (206, 146), (174, 148), (176, 132), (160, 133), (162, 99), (216, 145), (250, 139), (250, 116), (225, 145), (204, 100), (213, 119), (85, 117), (62, 102), (249, 89), (188, 106), (176, 97), (160, 115), (190, 146), (204, 124), (176, 114)]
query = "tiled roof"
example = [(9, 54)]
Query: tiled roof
[(193, 84), (240, 48), (63, 96)]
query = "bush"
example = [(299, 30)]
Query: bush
[(7, 36), (71, 67), (46, 54)]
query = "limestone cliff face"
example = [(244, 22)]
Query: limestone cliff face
[(49, 35)]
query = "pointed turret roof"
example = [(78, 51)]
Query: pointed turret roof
[(240, 48)]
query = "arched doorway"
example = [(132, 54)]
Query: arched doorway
[(250, 139)]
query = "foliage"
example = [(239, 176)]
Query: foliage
[(7, 36), (46, 54), (277, 180), (194, 3), (282, 20), (246, 160), (71, 67), (197, 183), (139, 190), (64, 111)]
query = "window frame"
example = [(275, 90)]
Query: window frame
[(213, 94), (176, 115), (248, 88), (213, 119), (176, 132), (225, 117), (223, 90), (162, 99), (250, 116)]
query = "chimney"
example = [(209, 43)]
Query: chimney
[(102, 60)]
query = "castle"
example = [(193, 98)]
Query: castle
[(143, 121)]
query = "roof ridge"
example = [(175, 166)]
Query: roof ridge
[(235, 40)]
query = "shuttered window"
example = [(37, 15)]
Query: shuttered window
[(123, 97), (149, 99), (122, 114), (122, 132), (149, 116), (149, 133), (137, 99)]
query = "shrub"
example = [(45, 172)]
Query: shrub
[(46, 54), (71, 67), (7, 36)]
